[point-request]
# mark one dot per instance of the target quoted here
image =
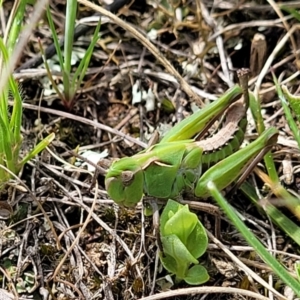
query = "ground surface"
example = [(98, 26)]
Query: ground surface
[(82, 246)]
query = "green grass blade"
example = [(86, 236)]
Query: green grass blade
[(16, 117), (55, 38), (81, 70), (16, 27), (291, 11), (38, 148), (282, 221), (7, 146), (69, 86), (65, 74), (284, 95), (4, 95), (69, 33), (294, 101), (260, 126), (278, 269), (54, 85), (292, 203)]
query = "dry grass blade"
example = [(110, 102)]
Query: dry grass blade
[(185, 86)]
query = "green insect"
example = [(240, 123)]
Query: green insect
[(179, 162)]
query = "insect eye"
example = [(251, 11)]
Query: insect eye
[(127, 177)]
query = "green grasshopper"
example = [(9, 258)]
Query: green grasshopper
[(181, 163)]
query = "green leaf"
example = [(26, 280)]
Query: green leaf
[(172, 206), (181, 224), (184, 239), (177, 219), (196, 275), (169, 263), (197, 241), (173, 246)]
